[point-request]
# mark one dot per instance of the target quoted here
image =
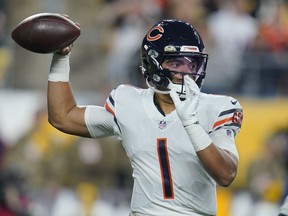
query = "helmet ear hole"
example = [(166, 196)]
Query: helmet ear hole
[(155, 70), (160, 81)]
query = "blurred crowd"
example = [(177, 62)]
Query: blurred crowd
[(48, 173), (246, 41), (266, 179)]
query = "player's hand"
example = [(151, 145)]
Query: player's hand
[(187, 109), (66, 50)]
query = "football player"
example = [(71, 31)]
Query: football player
[(180, 141)]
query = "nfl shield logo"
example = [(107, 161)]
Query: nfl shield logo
[(162, 124), (229, 133)]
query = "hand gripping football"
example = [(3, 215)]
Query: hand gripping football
[(45, 32)]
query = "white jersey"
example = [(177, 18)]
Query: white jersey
[(284, 207), (168, 176)]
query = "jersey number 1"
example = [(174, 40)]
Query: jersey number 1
[(163, 156)]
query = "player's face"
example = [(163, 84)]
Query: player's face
[(179, 66)]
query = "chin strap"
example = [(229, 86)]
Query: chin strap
[(155, 89), (170, 86)]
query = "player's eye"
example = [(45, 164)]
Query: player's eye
[(193, 65), (173, 63)]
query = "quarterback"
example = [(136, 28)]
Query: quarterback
[(180, 141)]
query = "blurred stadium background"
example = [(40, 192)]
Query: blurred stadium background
[(46, 173)]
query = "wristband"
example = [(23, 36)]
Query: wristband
[(199, 138), (59, 69)]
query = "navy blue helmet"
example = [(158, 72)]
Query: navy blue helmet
[(170, 39)]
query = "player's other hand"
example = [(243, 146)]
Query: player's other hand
[(187, 108)]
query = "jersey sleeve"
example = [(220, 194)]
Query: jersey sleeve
[(98, 121), (227, 126), (110, 106), (102, 121)]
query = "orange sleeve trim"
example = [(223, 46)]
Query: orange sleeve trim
[(222, 122), (109, 109)]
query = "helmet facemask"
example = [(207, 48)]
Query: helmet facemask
[(160, 79)]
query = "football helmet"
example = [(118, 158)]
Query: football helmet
[(171, 39)]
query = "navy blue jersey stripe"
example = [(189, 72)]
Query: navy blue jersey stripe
[(111, 100), (229, 111), (116, 121), (166, 178)]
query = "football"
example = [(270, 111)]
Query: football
[(45, 32)]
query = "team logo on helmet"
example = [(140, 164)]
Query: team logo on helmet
[(156, 37)]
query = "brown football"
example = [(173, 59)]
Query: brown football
[(45, 32)]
